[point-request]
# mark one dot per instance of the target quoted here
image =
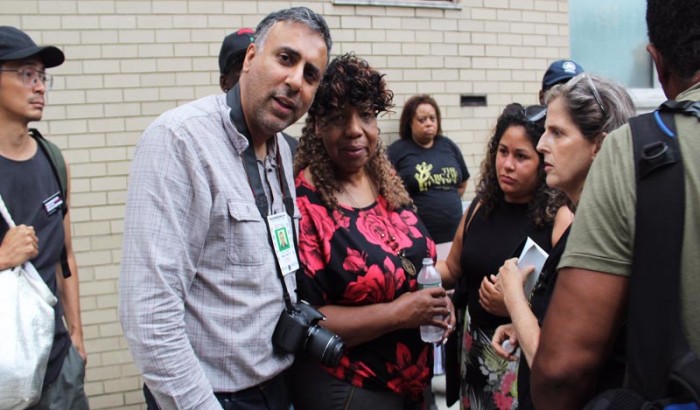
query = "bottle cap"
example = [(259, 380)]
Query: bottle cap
[(427, 261), (508, 346)]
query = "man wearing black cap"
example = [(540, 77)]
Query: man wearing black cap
[(33, 195), (231, 58), (559, 72)]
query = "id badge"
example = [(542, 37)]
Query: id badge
[(282, 240)]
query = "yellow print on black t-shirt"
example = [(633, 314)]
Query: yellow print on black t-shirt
[(425, 179)]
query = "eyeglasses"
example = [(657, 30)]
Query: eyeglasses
[(534, 113), (596, 96), (31, 76)]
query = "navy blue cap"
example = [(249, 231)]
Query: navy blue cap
[(15, 44), (234, 45), (559, 72)]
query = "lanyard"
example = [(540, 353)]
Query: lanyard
[(250, 164)]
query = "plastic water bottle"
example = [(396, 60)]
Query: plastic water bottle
[(428, 277), (508, 346)]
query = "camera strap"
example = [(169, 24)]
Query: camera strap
[(250, 164)]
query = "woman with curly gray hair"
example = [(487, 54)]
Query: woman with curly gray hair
[(360, 247), (580, 114)]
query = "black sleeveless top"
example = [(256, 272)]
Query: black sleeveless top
[(24, 186), (613, 373), (488, 243), (539, 301)]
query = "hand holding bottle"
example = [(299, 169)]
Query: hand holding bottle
[(429, 277)]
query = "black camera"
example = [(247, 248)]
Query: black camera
[(297, 331)]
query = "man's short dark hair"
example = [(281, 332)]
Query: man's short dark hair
[(673, 27), (302, 15)]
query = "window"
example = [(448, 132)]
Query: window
[(609, 38), (442, 4)]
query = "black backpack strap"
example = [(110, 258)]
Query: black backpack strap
[(657, 347), (58, 163), (58, 166), (685, 107)]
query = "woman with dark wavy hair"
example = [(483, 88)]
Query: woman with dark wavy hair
[(512, 203), (360, 247)]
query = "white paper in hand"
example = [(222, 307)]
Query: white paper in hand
[(532, 255)]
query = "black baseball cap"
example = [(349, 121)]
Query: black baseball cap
[(559, 72), (15, 44), (234, 45)]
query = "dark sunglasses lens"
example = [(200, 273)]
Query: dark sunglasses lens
[(534, 113)]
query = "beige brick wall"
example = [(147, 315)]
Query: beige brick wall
[(129, 60)]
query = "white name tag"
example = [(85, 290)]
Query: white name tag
[(282, 240), (53, 203)]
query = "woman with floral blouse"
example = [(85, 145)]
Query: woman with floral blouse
[(361, 246)]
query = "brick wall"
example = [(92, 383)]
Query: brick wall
[(129, 60)]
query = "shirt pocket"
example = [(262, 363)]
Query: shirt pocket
[(247, 236)]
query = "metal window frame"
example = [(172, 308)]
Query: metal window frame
[(436, 4)]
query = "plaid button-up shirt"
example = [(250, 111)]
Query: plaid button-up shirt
[(199, 293)]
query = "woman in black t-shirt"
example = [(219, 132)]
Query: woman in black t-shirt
[(431, 166)]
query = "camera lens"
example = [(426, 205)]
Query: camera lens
[(324, 345)]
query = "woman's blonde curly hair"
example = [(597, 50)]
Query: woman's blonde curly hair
[(348, 81)]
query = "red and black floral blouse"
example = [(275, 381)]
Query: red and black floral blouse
[(350, 257)]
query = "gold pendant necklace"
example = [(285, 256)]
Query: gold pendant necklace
[(352, 199), (354, 203), (408, 266)]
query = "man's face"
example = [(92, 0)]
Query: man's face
[(280, 79), (20, 102)]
